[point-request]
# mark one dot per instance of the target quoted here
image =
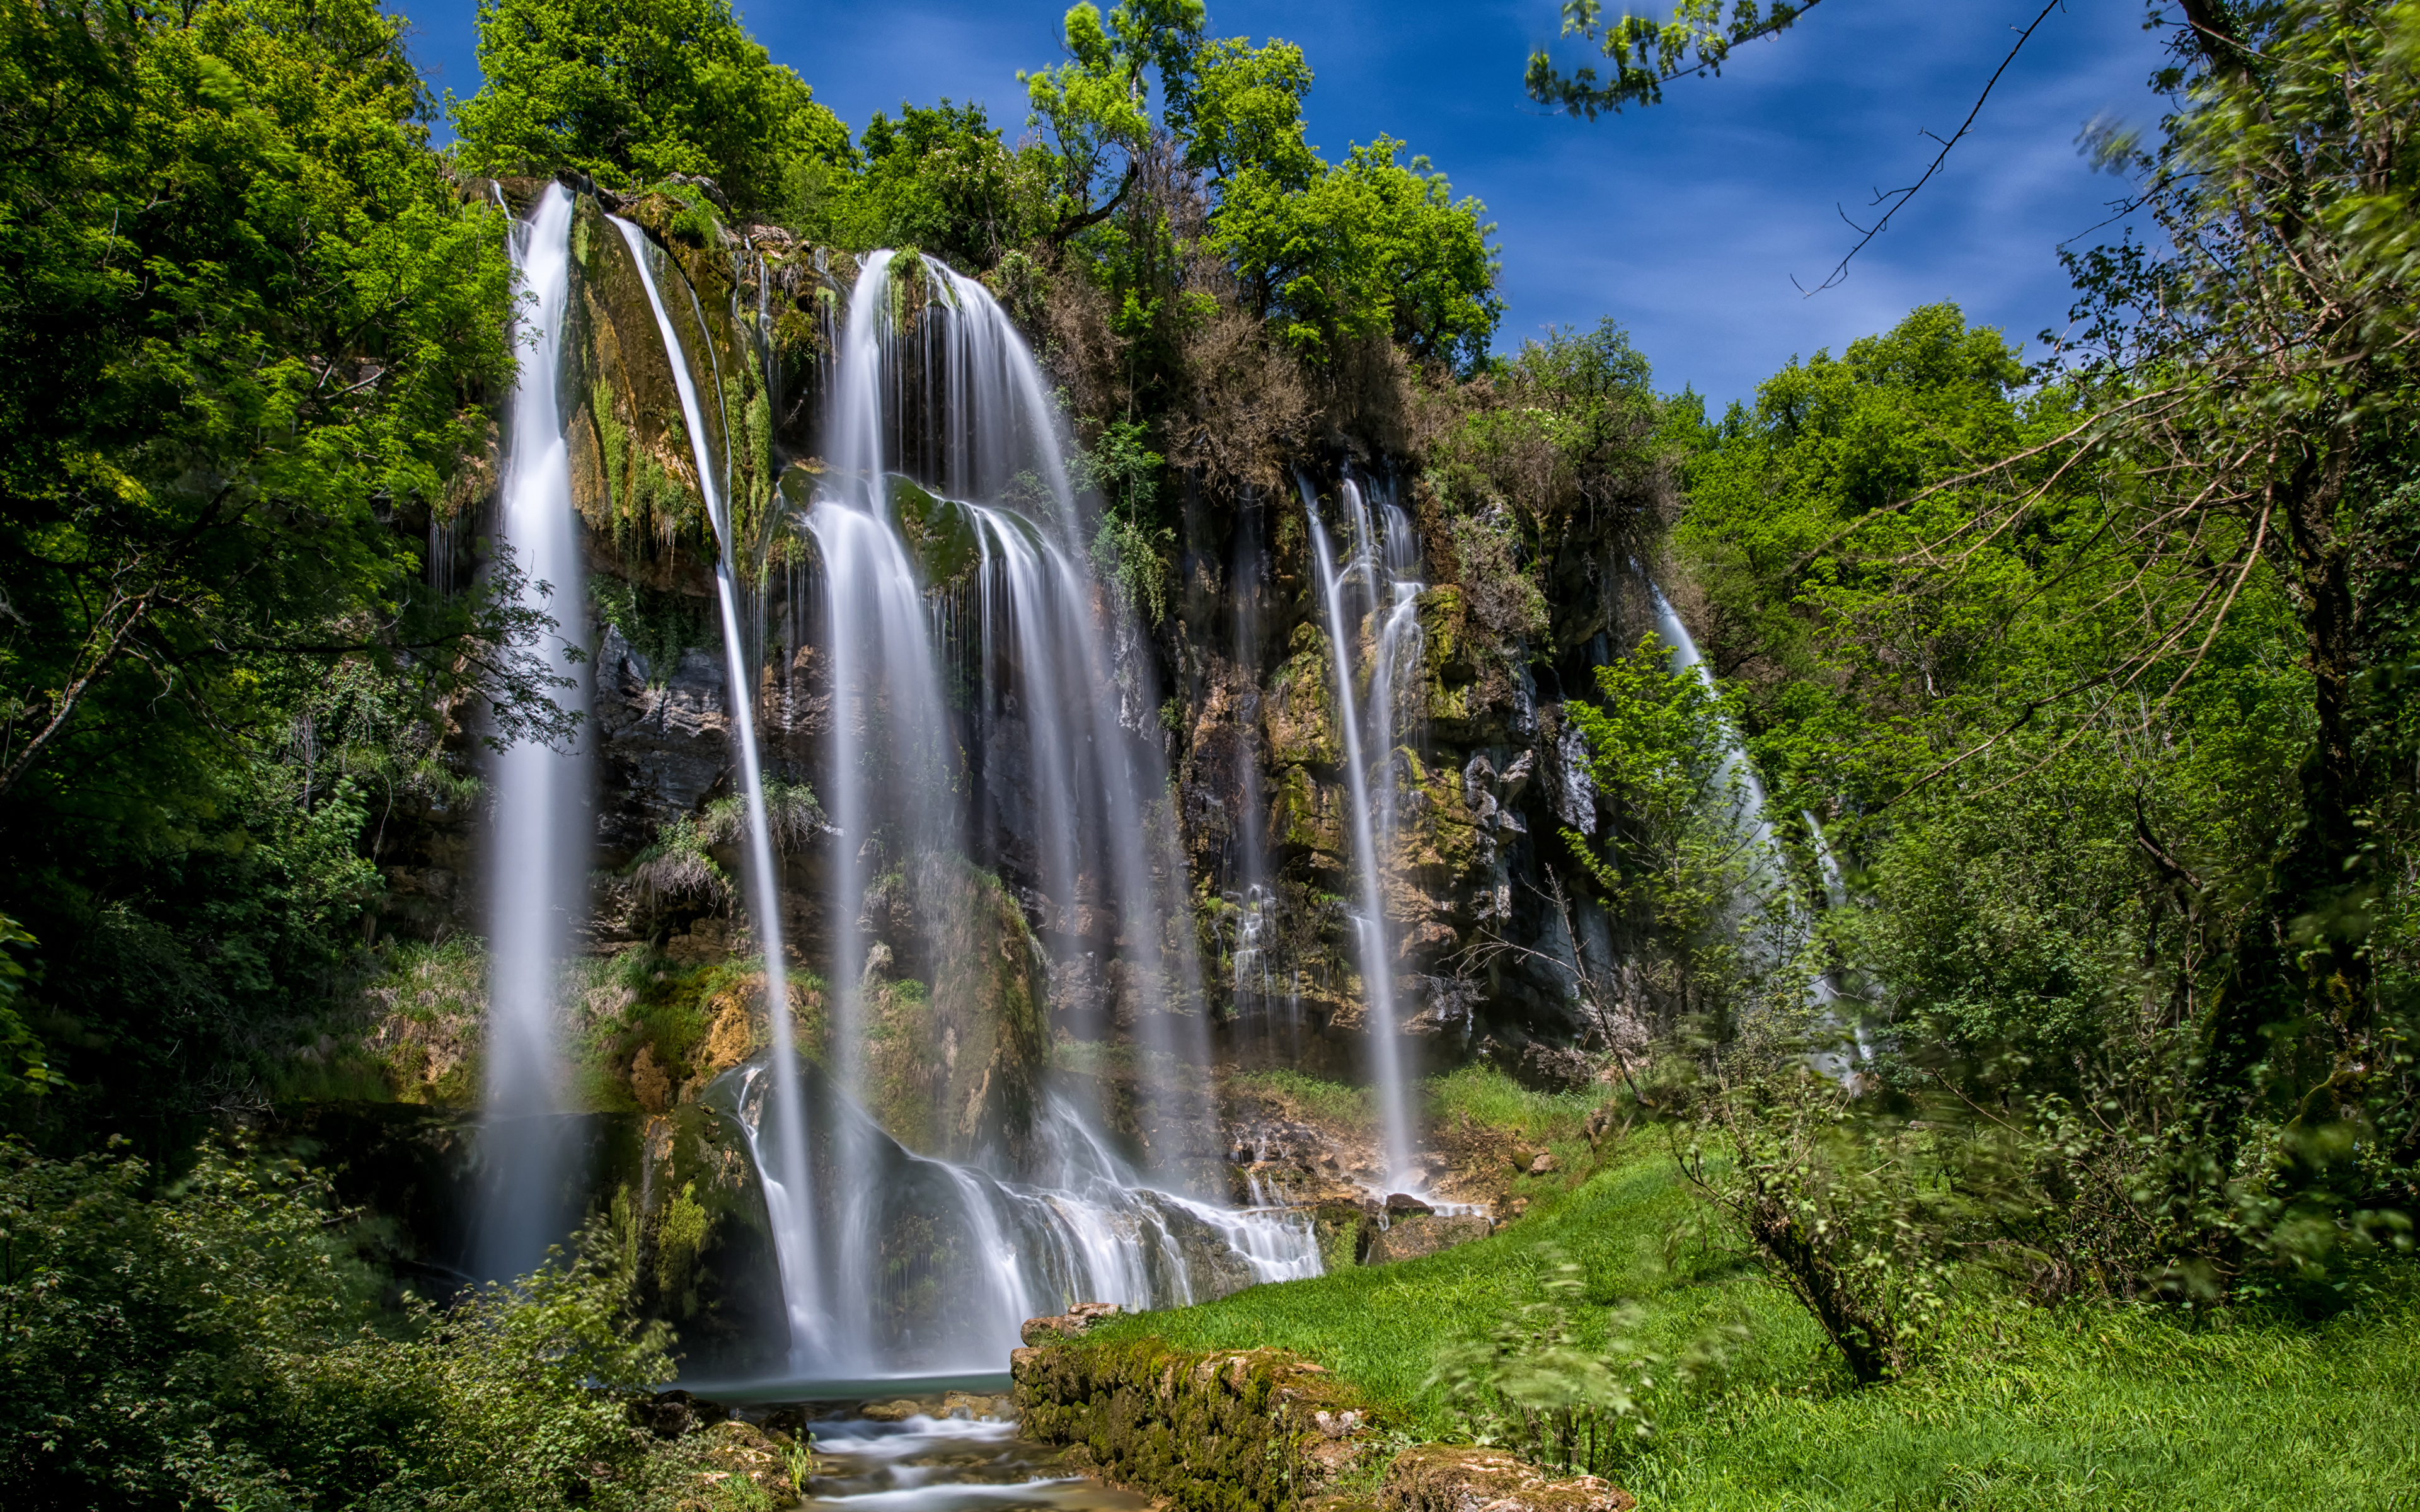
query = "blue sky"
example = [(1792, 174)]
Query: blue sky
[(1685, 222)]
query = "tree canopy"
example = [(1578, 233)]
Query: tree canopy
[(632, 91)]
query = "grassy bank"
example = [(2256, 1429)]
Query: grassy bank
[(2081, 1406)]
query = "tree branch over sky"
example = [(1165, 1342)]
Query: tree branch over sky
[(1647, 55)]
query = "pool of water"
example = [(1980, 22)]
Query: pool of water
[(938, 1464)]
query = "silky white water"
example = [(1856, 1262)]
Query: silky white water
[(537, 878), (1376, 947), (794, 1238)]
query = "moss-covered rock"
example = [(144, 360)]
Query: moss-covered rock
[(938, 532), (953, 1064), (1298, 711), (1414, 1235), (1228, 1432)]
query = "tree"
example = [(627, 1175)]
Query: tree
[(1096, 105), (249, 331), (940, 180), (1368, 247), (633, 91), (1243, 111), (2217, 457), (1647, 55)]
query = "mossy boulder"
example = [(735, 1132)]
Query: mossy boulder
[(953, 1060), (938, 532), (1305, 816), (1227, 1431), (1414, 1235)]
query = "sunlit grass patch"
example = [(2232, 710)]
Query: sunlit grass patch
[(2089, 1405)]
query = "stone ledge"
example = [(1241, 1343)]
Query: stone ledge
[(1252, 1430), (1454, 1477), (1260, 1430)]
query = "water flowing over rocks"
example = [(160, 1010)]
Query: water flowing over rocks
[(1039, 871)]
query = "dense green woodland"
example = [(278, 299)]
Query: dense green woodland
[(2099, 675)]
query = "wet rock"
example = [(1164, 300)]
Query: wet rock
[(899, 1409), (1453, 1477), (1344, 1230), (1074, 1323), (967, 1405), (1400, 1204), (668, 1415), (1424, 1233)]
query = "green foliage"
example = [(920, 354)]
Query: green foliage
[(1132, 547), (633, 91), (1647, 55), (2087, 1404), (1368, 247), (1095, 105), (27, 1069), (657, 624), (214, 1342), (250, 329), (1244, 112), (681, 864), (940, 180)]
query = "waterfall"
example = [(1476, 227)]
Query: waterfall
[(1371, 827), (935, 385), (539, 860), (793, 1237), (993, 1251), (1779, 904)]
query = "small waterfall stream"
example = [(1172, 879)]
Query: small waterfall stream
[(802, 1279), (538, 861), (1776, 899), (1373, 825)]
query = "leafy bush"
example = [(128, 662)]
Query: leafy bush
[(216, 1342)]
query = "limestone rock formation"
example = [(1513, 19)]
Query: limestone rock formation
[(1457, 1477)]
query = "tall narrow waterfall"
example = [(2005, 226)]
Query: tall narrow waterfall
[(539, 860), (1780, 917), (788, 1179), (1376, 562)]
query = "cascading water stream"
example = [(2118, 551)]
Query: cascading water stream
[(537, 883), (789, 1179), (1779, 903), (924, 1263), (1376, 956), (947, 389)]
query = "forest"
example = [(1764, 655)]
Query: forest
[(669, 769)]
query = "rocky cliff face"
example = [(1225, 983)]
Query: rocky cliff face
[(968, 980)]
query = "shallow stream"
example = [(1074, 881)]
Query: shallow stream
[(929, 1464)]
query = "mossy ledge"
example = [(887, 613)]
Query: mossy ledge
[(1249, 1431)]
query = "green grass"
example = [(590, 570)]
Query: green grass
[(2085, 1406), (1489, 1097)]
